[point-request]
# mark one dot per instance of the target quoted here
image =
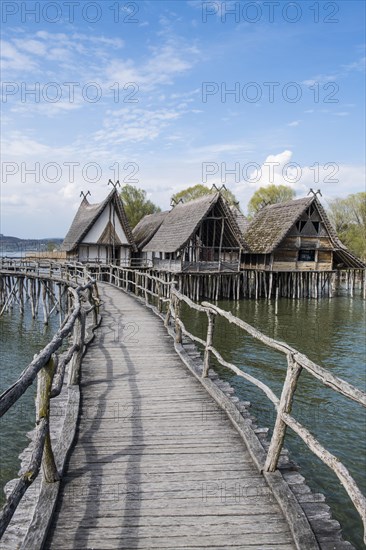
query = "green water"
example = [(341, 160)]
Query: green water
[(331, 333), (20, 338)]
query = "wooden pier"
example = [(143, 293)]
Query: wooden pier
[(165, 456), (156, 464)]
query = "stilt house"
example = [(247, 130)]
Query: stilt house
[(100, 233), (144, 232), (200, 235), (295, 236)]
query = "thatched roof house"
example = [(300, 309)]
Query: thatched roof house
[(296, 236), (241, 220), (100, 232), (144, 231), (200, 235)]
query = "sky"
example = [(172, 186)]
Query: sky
[(165, 94)]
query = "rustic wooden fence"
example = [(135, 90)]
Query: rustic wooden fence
[(163, 295), (81, 320), (168, 299)]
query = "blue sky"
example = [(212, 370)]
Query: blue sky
[(165, 94)]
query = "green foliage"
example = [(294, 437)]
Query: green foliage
[(51, 246), (199, 190), (271, 194), (348, 217), (136, 205)]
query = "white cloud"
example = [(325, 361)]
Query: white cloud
[(219, 148), (320, 79), (332, 178), (164, 64), (344, 70), (12, 60), (134, 124), (31, 46), (17, 146), (358, 65), (294, 123)]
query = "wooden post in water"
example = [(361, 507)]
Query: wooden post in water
[(285, 405), (44, 303), (209, 339), (21, 295), (44, 384)]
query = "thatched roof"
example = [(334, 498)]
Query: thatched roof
[(241, 220), (341, 253), (147, 227), (88, 214), (181, 223), (271, 225)]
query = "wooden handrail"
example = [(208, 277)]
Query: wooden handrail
[(50, 373), (296, 363)]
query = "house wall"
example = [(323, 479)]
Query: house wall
[(306, 241), (100, 253), (96, 231), (287, 260), (285, 257), (255, 261), (167, 265)]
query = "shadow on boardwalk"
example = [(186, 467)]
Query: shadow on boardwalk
[(150, 468)]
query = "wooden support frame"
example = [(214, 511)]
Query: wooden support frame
[(297, 362), (48, 371)]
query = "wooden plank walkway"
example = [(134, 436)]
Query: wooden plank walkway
[(151, 468)]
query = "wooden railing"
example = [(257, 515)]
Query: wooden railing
[(70, 272), (170, 299), (163, 295), (80, 322), (296, 363)]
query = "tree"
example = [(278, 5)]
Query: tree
[(136, 205), (200, 190), (348, 217), (51, 246), (271, 194)]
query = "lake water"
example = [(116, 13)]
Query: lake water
[(330, 332), (20, 338)]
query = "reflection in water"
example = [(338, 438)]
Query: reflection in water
[(331, 333), (20, 338)]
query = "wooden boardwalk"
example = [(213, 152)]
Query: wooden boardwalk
[(156, 463)]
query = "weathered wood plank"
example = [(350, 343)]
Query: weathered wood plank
[(171, 454)]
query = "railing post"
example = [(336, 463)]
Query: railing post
[(146, 280), (78, 338), (137, 282), (209, 339), (178, 329), (93, 304), (171, 298), (285, 406), (44, 385), (160, 304)]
